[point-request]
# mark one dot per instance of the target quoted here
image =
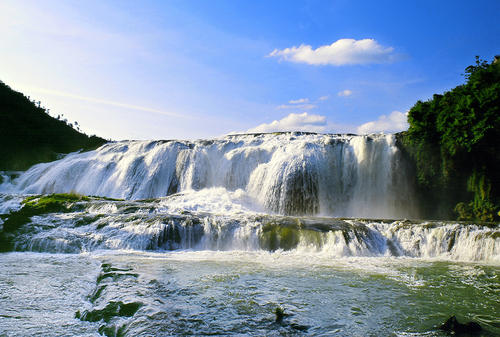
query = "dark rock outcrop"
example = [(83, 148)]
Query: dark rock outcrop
[(453, 325)]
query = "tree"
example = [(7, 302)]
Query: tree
[(453, 139)]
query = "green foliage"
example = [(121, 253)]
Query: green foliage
[(481, 208), (29, 135), (454, 139)]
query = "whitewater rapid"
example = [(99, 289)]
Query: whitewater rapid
[(287, 173), (179, 223)]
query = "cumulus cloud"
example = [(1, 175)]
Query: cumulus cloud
[(394, 122), (345, 93), (339, 53), (299, 101), (297, 106), (295, 122), (324, 98)]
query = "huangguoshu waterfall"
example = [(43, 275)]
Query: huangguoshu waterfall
[(288, 173), (213, 237)]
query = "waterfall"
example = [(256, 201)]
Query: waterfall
[(288, 191), (286, 173), (154, 226)]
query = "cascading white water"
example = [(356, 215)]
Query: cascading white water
[(288, 173), (159, 225)]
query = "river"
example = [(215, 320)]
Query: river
[(211, 237)]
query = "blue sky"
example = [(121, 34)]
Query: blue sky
[(200, 69)]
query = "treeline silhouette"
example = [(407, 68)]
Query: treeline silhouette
[(29, 135)]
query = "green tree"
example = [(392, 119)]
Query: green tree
[(453, 139)]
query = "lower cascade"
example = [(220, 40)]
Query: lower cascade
[(94, 223)]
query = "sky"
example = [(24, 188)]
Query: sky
[(201, 69)]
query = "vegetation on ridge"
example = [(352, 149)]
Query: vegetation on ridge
[(454, 140), (29, 135)]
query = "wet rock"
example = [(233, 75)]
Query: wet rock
[(114, 276), (299, 327), (280, 313), (97, 293), (392, 248), (275, 236), (39, 205), (452, 325), (113, 309), (114, 273), (107, 268), (112, 331)]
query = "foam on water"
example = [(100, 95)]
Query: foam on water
[(171, 224), (10, 203), (236, 293), (215, 200)]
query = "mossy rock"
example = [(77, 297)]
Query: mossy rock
[(97, 293), (88, 219), (115, 276), (54, 198), (495, 235), (105, 198), (5, 243), (112, 330), (111, 310), (38, 205), (106, 267), (312, 237), (274, 237)]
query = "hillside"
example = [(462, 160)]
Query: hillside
[(29, 135), (453, 140)]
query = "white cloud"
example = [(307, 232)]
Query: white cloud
[(299, 101), (340, 52), (297, 106), (324, 98), (395, 122), (345, 93), (294, 122)]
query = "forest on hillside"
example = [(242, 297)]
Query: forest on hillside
[(454, 142), (29, 135)]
